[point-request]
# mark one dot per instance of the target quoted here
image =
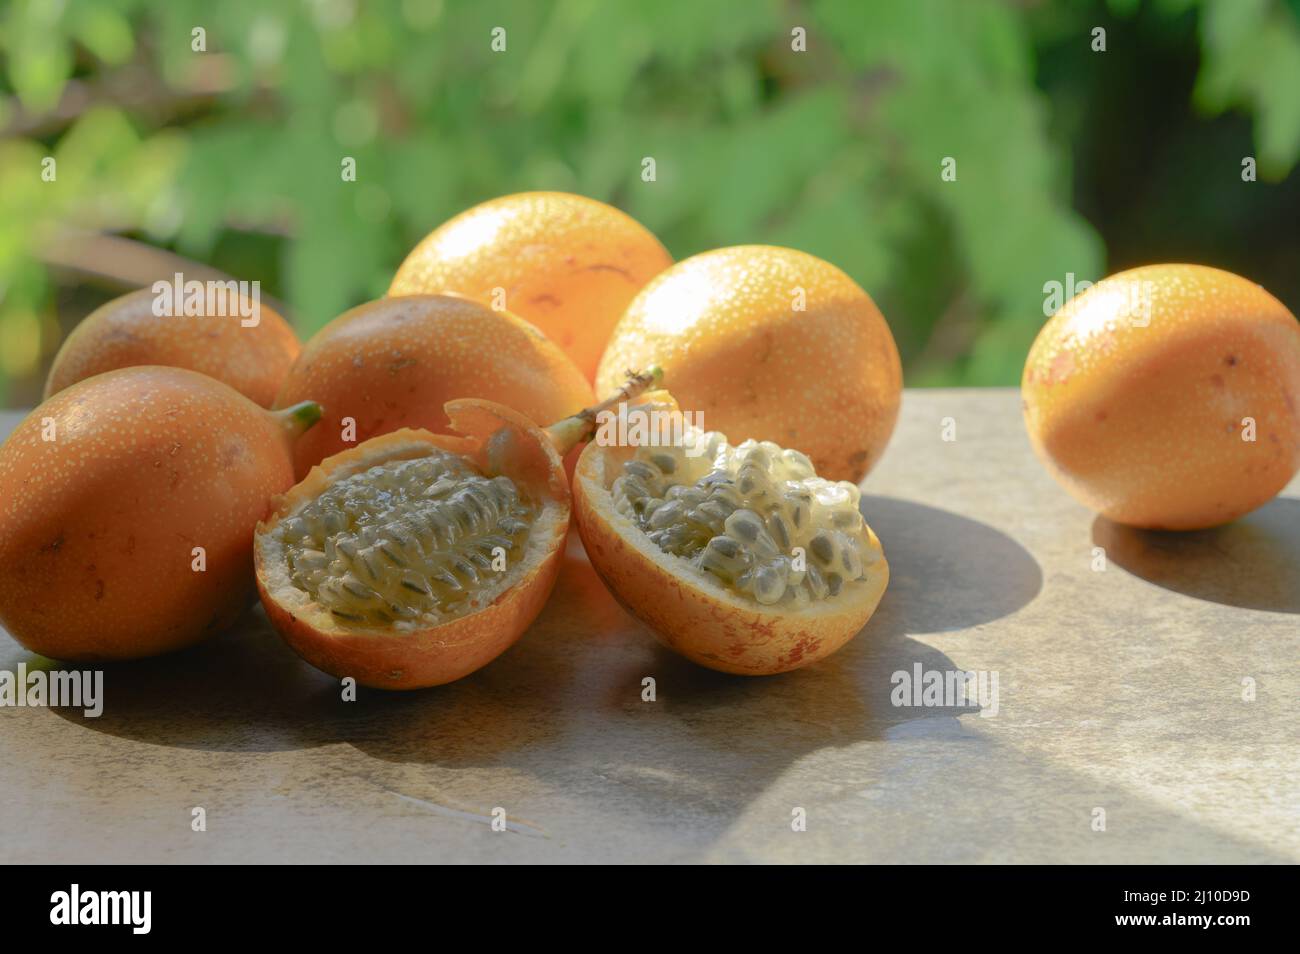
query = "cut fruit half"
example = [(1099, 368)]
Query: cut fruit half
[(414, 558), (738, 557)]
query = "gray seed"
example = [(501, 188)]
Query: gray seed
[(466, 570), (668, 514), (779, 530), (640, 469), (309, 560), (690, 496), (852, 562), (665, 462), (417, 585), (769, 585), (822, 548), (368, 563), (815, 583), (744, 525), (358, 589), (725, 546), (446, 578)]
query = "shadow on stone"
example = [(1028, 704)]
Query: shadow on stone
[(1252, 563), (947, 572)]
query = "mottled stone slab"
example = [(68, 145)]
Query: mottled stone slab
[(1118, 690)]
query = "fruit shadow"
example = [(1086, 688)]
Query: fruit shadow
[(947, 572), (243, 690), (574, 682), (561, 717), (572, 692), (1251, 563)]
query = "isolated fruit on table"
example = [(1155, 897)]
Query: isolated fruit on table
[(414, 559), (566, 263), (770, 344), (98, 523), (395, 362), (125, 332), (1140, 412), (738, 557)]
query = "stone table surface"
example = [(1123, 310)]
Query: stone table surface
[(1121, 691)]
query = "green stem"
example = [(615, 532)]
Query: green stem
[(297, 418), (572, 431)]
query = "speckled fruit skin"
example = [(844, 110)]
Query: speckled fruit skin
[(567, 263), (723, 325), (382, 658), (395, 362), (98, 525), (125, 332), (1144, 424)]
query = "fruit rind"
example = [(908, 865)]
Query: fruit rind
[(1139, 413), (395, 363), (567, 263), (824, 377), (125, 332), (99, 527), (695, 615), (470, 636)]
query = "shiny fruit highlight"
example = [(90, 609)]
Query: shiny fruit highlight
[(566, 263), (769, 344)]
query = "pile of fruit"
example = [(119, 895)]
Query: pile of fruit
[(398, 491)]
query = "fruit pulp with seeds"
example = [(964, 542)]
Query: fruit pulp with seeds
[(407, 540), (755, 517)]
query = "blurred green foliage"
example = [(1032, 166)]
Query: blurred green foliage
[(231, 156)]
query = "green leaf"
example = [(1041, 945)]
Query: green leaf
[(103, 31)]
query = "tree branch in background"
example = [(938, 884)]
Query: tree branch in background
[(135, 88), (126, 264), (953, 334)]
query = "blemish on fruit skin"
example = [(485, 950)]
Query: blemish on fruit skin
[(807, 645), (621, 272)]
